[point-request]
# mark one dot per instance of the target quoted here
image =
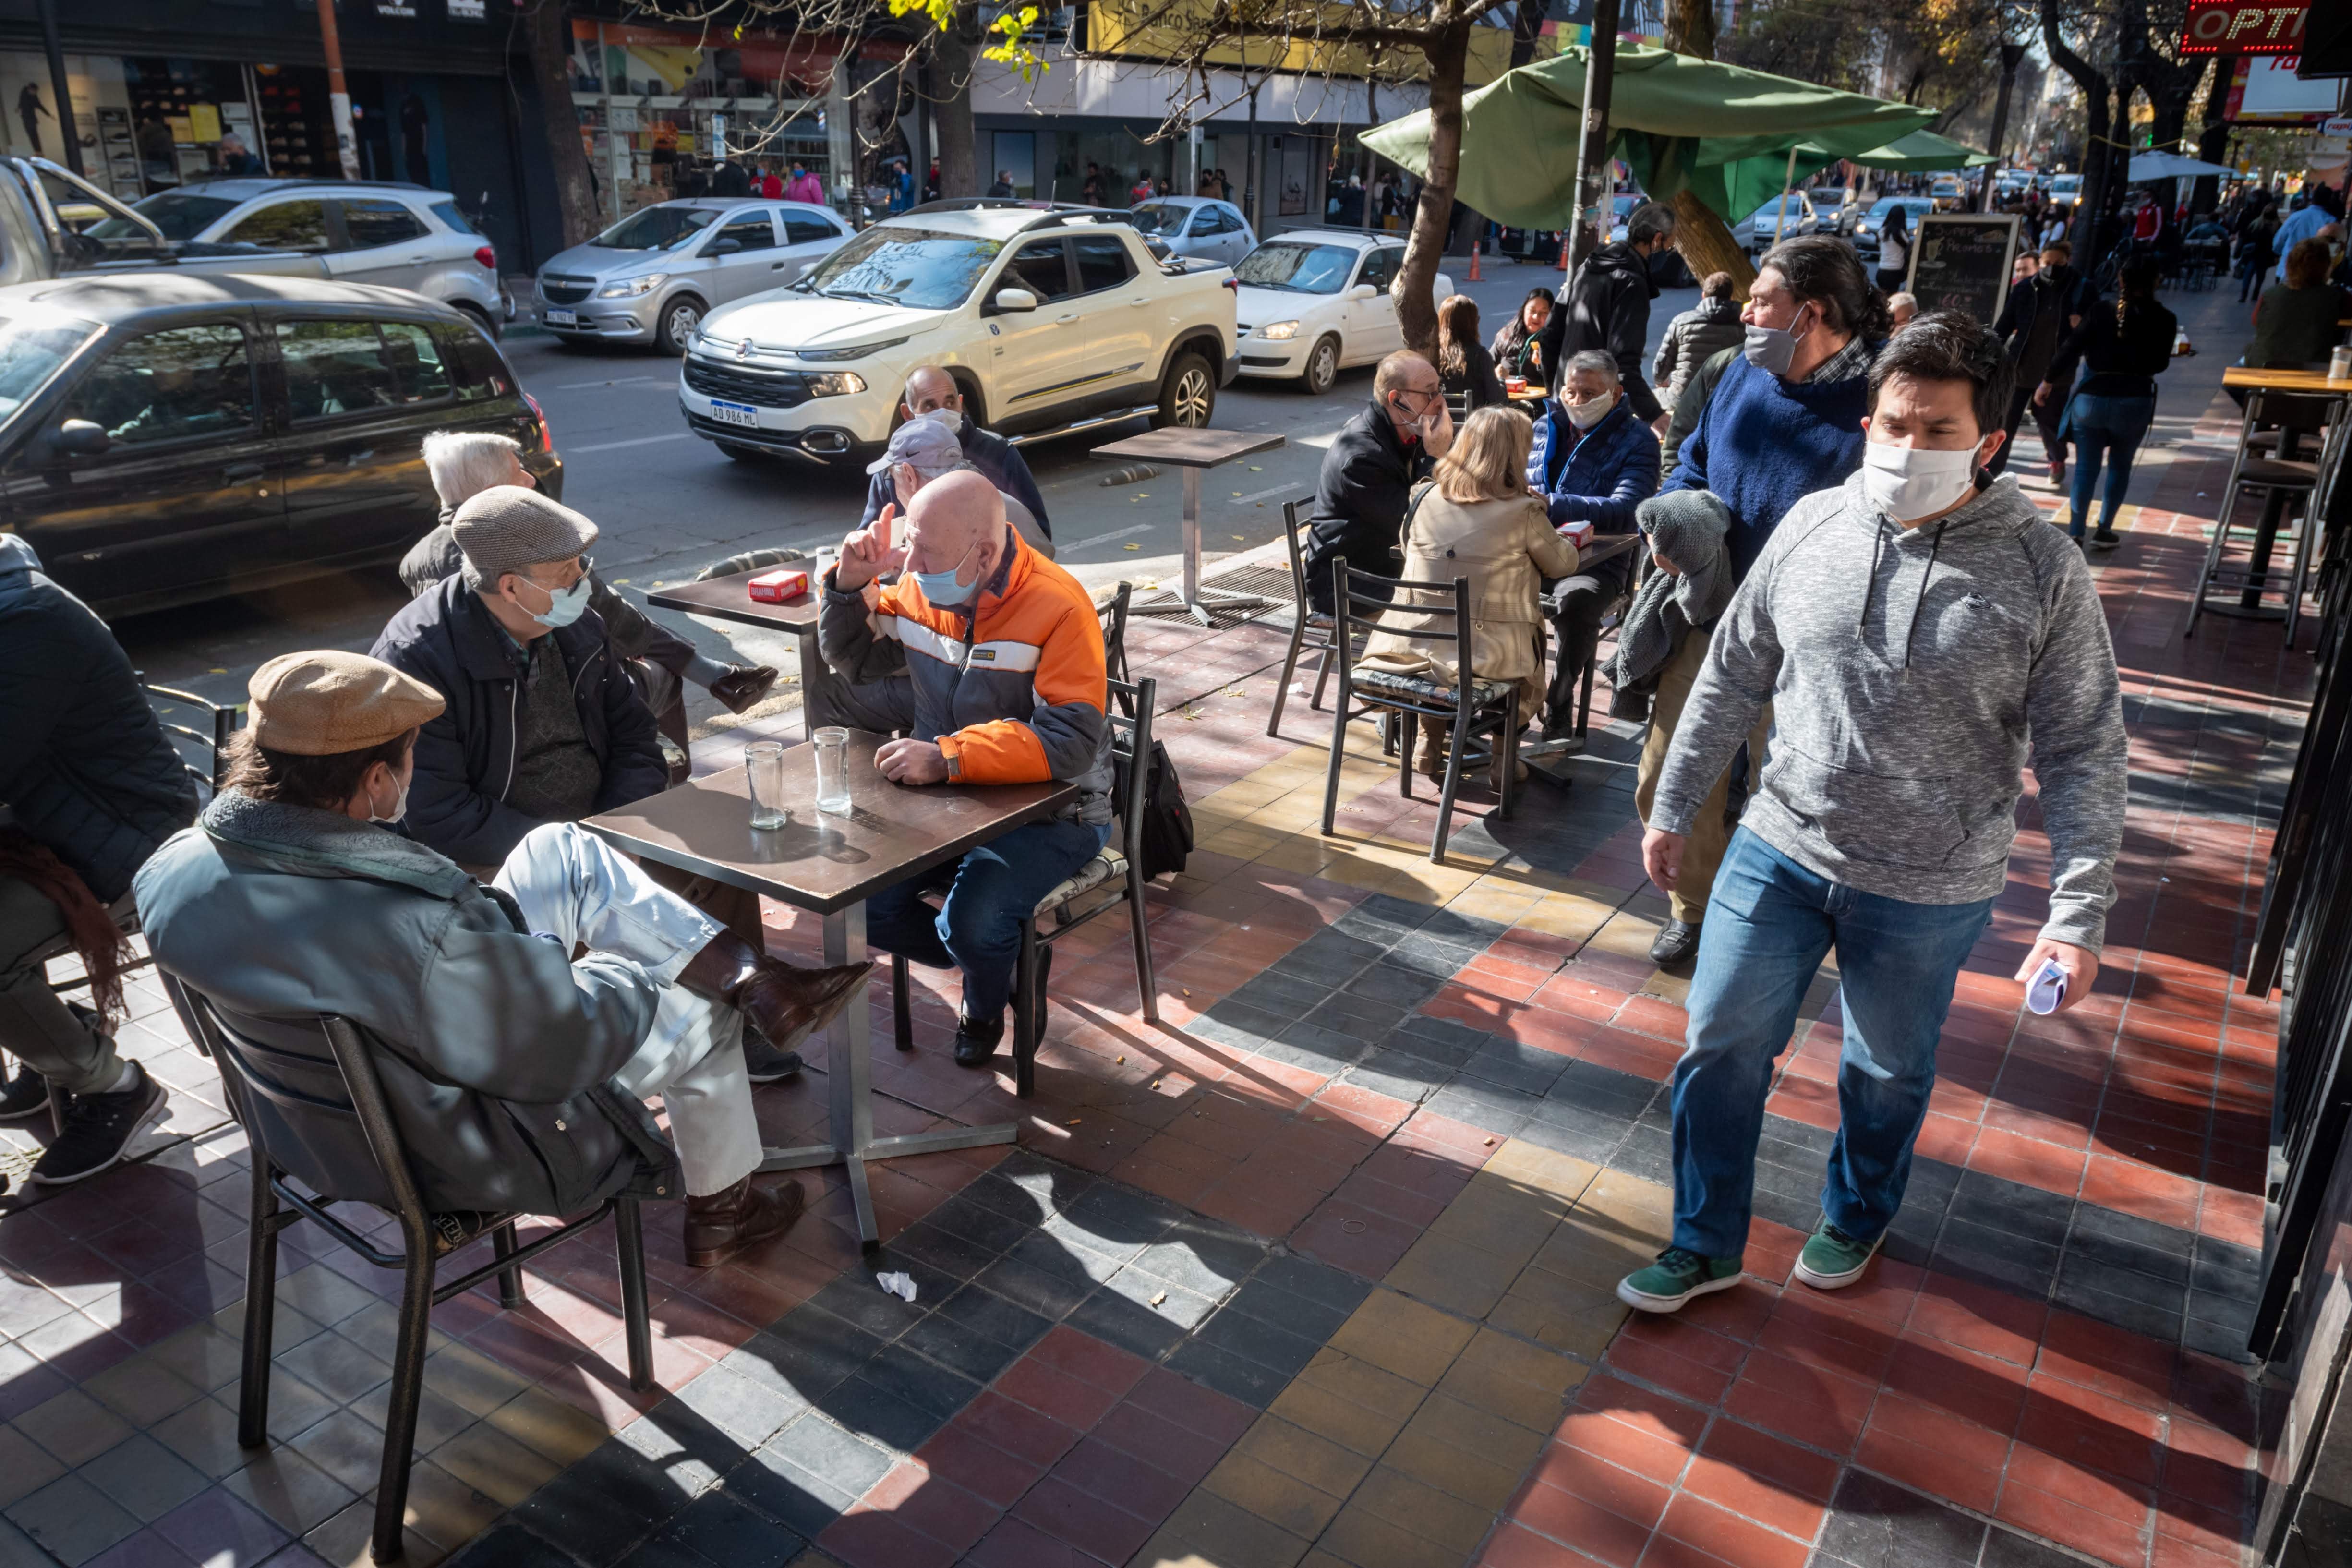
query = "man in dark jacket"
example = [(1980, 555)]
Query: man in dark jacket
[(512, 1069), (465, 463), (932, 391), (2033, 321), (1608, 305), (89, 787), (1592, 461), (729, 180), (1370, 471), (542, 725)]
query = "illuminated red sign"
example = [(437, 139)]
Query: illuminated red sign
[(2243, 27)]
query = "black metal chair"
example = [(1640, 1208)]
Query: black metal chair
[(1119, 860), (1310, 629), (2282, 482), (1114, 612), (1472, 706), (318, 1118)]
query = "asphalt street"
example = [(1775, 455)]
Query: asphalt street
[(669, 503)]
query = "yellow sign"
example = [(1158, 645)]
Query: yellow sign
[(204, 123)]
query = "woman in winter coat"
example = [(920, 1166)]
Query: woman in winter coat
[(1475, 519), (1712, 325), (1464, 365)]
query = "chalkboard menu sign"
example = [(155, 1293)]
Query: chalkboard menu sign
[(1961, 261)]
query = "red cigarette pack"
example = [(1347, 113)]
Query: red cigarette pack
[(775, 587)]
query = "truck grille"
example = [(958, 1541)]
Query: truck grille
[(566, 290), (742, 384)]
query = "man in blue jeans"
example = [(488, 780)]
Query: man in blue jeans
[(1916, 632)]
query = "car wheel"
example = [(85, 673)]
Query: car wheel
[(1322, 367), (740, 452), (1188, 394), (481, 318), (679, 319)]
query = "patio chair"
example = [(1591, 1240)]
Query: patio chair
[(1310, 629), (2281, 482), (321, 1133), (1119, 861), (1114, 624), (1474, 707)]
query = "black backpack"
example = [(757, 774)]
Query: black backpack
[(1167, 826)]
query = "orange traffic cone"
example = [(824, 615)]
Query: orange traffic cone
[(1475, 247), (1563, 250)]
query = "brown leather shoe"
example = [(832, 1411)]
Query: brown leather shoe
[(723, 1223), (743, 685), (787, 1001)]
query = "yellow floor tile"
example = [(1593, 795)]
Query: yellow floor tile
[(1269, 1494), (1295, 1451), (1512, 1379), (1401, 1337), (1459, 1277)]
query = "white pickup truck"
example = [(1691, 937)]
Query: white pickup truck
[(1050, 318)]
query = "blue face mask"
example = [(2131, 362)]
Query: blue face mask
[(941, 588), (564, 604)]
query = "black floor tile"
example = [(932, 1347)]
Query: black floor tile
[(1276, 1348), (809, 1353), (2012, 1207), (921, 1383), (878, 1414), (2079, 1273), (1133, 1327), (1259, 1296), (944, 1251), (977, 1224), (1026, 1202), (976, 1355), (1040, 1292), (1068, 1258), (1279, 995), (1876, 1524), (1596, 1142), (1333, 1287), (1228, 1023), (1362, 1015), (2124, 1252), (854, 1297), (1488, 1111), (774, 1482), (1228, 1252), (602, 1505), (1324, 1042), (509, 1545), (1526, 1068), (1234, 1376), (1386, 982), (1118, 1213), (726, 1530), (750, 1412), (1398, 1076)]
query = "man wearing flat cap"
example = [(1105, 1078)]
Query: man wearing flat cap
[(512, 1069)]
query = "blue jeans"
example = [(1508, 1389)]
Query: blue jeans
[(2115, 426), (1769, 923), (978, 930)]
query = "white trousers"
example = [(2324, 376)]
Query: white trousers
[(572, 886)]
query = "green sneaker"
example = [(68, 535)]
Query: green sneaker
[(1832, 1258), (1678, 1275)]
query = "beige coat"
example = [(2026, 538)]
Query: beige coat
[(1505, 548)]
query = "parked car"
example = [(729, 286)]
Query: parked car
[(1947, 190), (1837, 209), (1050, 319), (168, 438), (652, 277), (1866, 233), (1314, 299), (394, 236), (1198, 227), (1774, 221), (2066, 188)]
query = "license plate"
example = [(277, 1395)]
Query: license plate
[(563, 319), (742, 414)]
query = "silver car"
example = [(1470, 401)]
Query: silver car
[(652, 277), (1196, 225), (1766, 227), (397, 237)]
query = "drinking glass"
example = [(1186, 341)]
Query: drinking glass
[(763, 764), (2339, 364), (833, 772)]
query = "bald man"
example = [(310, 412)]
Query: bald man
[(1004, 659), (1368, 472), (932, 391)]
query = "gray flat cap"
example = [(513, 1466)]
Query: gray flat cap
[(926, 445), (508, 527)]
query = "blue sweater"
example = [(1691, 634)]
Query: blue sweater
[(1764, 444)]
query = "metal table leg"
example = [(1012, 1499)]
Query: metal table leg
[(1201, 603), (811, 665), (849, 1093)]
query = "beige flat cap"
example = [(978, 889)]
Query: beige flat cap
[(320, 703)]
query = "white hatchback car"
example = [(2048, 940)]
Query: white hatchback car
[(1199, 227), (1313, 299)]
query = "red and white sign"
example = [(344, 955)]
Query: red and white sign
[(2243, 27)]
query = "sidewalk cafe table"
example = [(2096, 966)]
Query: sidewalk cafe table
[(1192, 451), (830, 865), (730, 599), (2311, 381)]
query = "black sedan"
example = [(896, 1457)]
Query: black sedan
[(164, 439)]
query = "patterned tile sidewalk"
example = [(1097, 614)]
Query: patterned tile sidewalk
[(1319, 1271)]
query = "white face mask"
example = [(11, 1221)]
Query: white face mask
[(1592, 411), (951, 418), (399, 804), (1907, 482)]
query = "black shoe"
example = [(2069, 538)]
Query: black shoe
[(2106, 538), (1677, 940), (25, 1096), (762, 1061), (976, 1042), (99, 1128)]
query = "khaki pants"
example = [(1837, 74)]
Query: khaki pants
[(1704, 850)]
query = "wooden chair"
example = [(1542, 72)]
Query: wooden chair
[(1119, 861), (1473, 707), (1310, 629), (322, 1132)]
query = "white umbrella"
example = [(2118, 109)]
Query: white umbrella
[(2170, 166)]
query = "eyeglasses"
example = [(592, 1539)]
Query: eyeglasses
[(584, 564)]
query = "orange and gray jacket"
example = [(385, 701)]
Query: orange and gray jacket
[(1011, 685)]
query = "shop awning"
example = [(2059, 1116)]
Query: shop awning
[(1720, 131), (1920, 153), (2172, 166)]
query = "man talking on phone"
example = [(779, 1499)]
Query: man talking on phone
[(1368, 474)]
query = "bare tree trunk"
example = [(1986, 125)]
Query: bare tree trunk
[(959, 141), (2213, 141), (1700, 234), (1690, 27), (2095, 159), (550, 69), (1527, 30), (1448, 53)]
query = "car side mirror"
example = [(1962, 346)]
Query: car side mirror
[(1015, 300), (1363, 291), (724, 247), (82, 438)]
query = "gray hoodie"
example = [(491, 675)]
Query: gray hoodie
[(1909, 671)]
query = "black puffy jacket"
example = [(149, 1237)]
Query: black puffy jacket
[(84, 766)]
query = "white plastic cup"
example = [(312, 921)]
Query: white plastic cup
[(764, 768)]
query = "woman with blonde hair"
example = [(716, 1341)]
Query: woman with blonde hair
[(1464, 364), (1476, 519)]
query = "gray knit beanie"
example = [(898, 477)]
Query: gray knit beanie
[(509, 529)]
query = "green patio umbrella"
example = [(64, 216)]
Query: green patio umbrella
[(1720, 131), (1920, 153)]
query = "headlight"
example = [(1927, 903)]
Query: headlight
[(1279, 332), (634, 287), (835, 356), (835, 384)]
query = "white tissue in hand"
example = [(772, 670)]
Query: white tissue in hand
[(899, 1285)]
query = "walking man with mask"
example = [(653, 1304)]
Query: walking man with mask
[(1922, 634), (1783, 422)]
